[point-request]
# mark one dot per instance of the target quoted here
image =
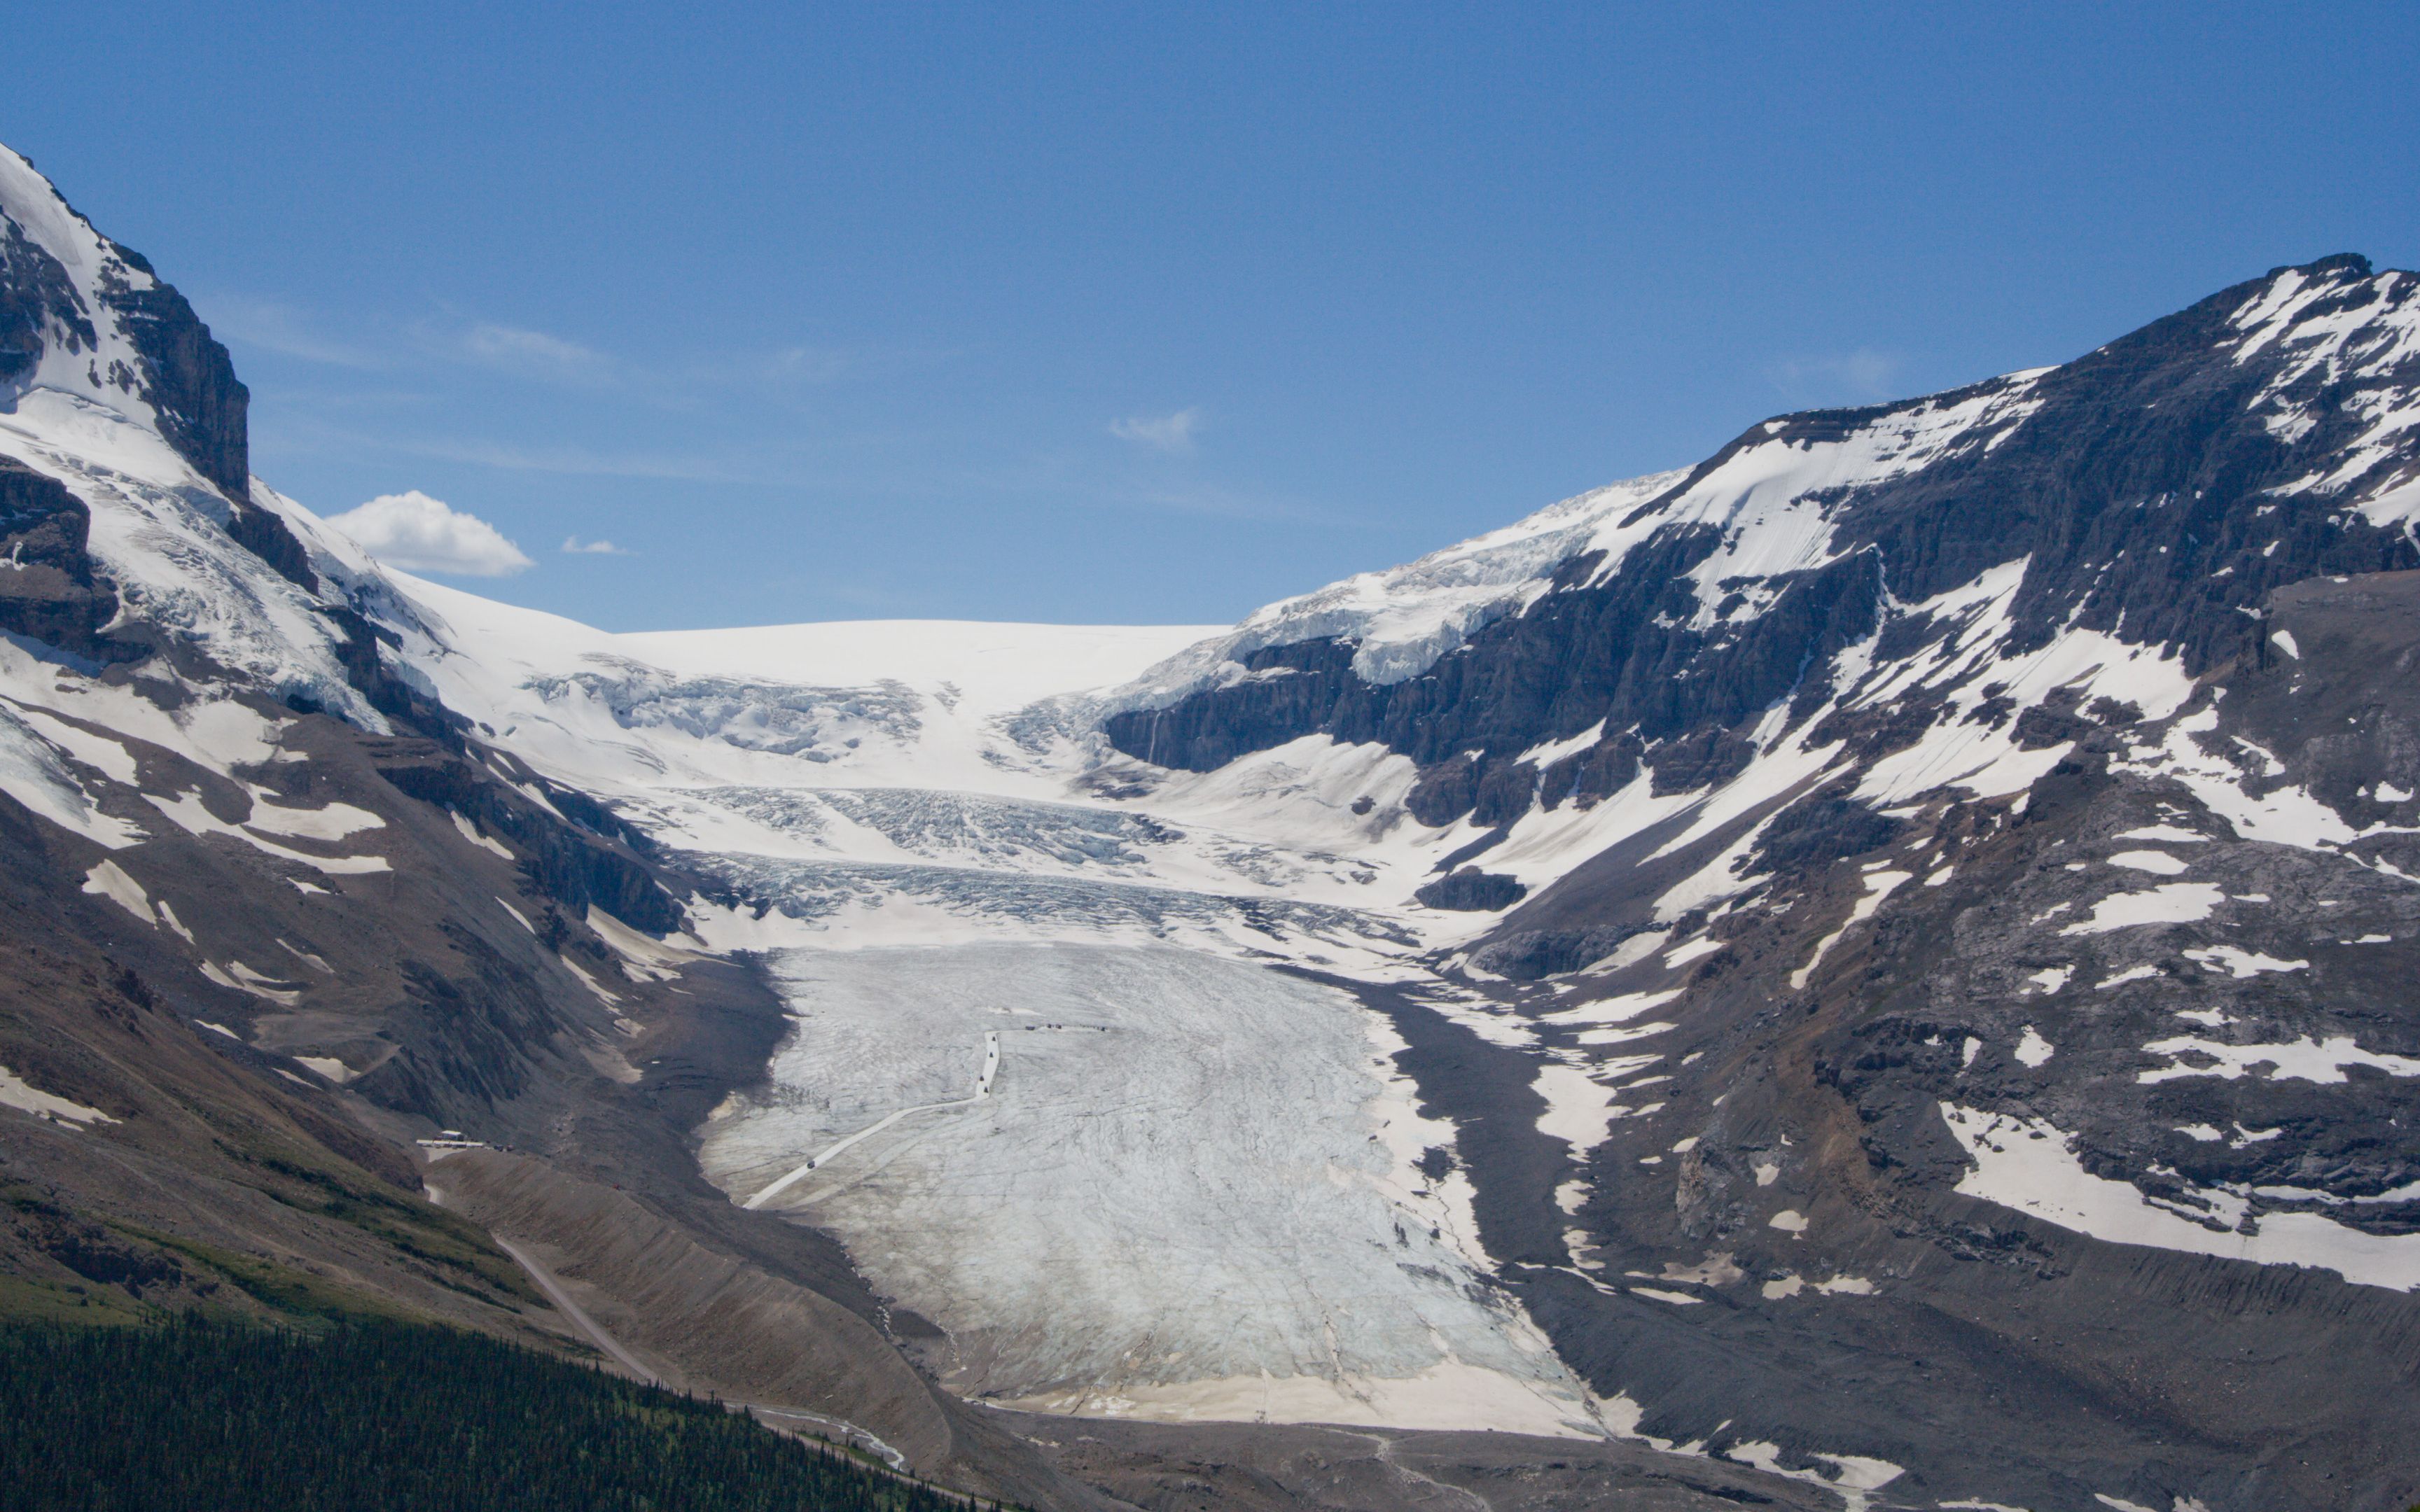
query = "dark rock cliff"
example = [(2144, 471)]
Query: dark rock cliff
[(35, 290), (48, 592), (188, 378)]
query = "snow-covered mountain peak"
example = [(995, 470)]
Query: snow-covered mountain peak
[(81, 315), (60, 275), (1402, 619), (2342, 344), (143, 576)]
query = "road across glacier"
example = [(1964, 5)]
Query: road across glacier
[(983, 1089)]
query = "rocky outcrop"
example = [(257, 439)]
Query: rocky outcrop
[(578, 865), (48, 592), (37, 304), (1467, 889), (187, 377)]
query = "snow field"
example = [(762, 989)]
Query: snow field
[(2031, 1165), (16, 1092)]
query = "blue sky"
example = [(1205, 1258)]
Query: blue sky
[(1152, 313)]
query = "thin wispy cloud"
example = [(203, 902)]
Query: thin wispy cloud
[(418, 533), (1173, 434), (795, 364), (761, 465), (274, 326), (535, 354), (1863, 374), (574, 547), (570, 461), (453, 339)]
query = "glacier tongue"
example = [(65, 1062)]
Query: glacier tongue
[(1186, 1192), (1190, 1188)]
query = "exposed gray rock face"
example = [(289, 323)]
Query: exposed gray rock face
[(1470, 890), (47, 590), (38, 306), (187, 377)]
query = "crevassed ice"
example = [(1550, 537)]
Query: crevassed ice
[(1178, 1196)]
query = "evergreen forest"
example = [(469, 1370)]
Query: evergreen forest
[(203, 1415)]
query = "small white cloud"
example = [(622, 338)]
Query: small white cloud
[(574, 545), (418, 533), (1869, 370), (1166, 433)]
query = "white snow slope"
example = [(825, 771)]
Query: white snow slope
[(158, 535)]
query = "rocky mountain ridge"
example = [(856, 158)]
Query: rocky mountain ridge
[(2136, 484)]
